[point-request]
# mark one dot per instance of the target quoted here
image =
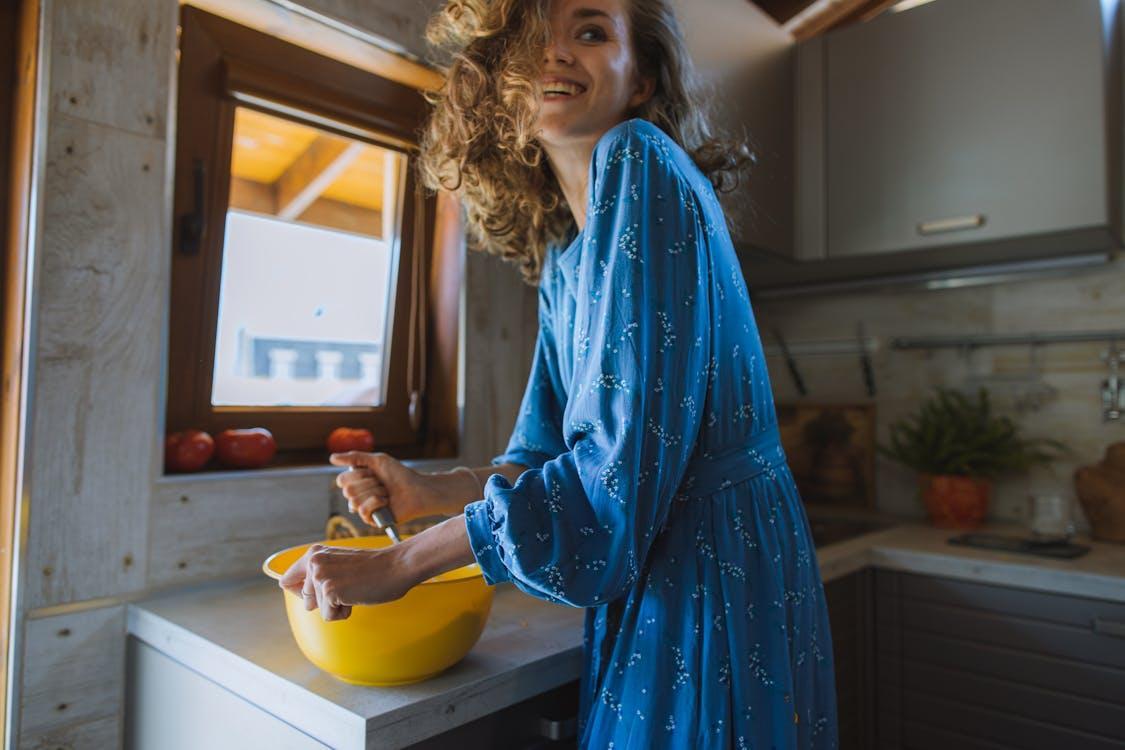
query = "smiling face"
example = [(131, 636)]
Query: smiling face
[(590, 78)]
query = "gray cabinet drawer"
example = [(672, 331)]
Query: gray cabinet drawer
[(995, 664)]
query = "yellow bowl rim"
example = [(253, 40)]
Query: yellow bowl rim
[(328, 543)]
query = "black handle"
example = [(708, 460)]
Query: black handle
[(194, 225), (791, 364), (1113, 628), (865, 360), (558, 729)]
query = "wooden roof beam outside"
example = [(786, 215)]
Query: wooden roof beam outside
[(312, 172)]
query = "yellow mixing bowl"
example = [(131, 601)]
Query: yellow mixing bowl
[(427, 631)]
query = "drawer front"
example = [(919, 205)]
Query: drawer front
[(997, 664)]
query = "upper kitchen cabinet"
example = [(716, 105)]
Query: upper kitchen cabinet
[(954, 134)]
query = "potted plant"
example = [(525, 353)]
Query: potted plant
[(958, 446)]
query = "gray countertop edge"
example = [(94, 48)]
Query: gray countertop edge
[(906, 547)]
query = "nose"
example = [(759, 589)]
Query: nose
[(557, 51)]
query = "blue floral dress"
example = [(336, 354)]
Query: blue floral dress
[(658, 495)]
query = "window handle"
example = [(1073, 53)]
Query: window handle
[(194, 225)]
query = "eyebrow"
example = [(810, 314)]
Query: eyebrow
[(591, 13)]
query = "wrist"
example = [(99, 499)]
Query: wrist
[(436, 550)]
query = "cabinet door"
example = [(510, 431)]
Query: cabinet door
[(983, 667), (850, 614), (965, 121)]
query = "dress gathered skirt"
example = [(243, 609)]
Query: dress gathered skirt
[(658, 495)]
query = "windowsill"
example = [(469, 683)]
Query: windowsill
[(289, 472)]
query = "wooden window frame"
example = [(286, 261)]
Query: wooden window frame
[(19, 78), (224, 66)]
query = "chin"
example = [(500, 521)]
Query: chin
[(559, 129)]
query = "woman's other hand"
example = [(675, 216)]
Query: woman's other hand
[(377, 480), (335, 579)]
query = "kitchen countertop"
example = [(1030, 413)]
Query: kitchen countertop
[(237, 635)]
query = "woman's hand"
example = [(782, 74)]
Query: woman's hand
[(377, 480), (336, 579)]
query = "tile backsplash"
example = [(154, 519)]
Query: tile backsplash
[(1091, 300)]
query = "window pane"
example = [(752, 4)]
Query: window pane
[(308, 263)]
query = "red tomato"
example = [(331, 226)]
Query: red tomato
[(344, 439), (187, 450), (245, 449)]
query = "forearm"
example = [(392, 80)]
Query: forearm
[(459, 489), (438, 549)]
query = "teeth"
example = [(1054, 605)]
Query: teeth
[(569, 89)]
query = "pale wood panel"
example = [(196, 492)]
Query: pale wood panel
[(401, 23), (98, 734), (307, 31), (204, 528), (73, 674), (100, 303), (500, 333), (127, 44)]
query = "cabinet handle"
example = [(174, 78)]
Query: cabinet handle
[(1109, 627), (558, 729), (956, 223)]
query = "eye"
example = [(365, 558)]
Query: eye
[(592, 34)]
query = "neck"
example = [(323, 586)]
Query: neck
[(571, 164)]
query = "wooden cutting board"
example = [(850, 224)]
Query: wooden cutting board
[(1101, 490)]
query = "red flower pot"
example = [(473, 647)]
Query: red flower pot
[(955, 502)]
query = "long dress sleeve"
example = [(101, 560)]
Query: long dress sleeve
[(537, 436), (577, 529)]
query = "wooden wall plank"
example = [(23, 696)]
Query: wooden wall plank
[(500, 333), (127, 44), (73, 676), (94, 441), (93, 735), (213, 528)]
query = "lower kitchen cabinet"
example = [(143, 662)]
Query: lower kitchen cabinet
[(979, 666), (850, 610), (548, 721)]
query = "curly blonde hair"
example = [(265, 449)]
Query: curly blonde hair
[(480, 137)]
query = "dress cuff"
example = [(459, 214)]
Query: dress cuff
[(530, 459), (478, 521)]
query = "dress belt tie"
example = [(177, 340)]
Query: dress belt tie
[(707, 473)]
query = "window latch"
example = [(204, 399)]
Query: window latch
[(194, 225)]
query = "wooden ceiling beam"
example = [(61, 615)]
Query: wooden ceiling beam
[(312, 172), (838, 14), (782, 10)]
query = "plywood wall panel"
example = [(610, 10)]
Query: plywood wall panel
[(110, 61), (500, 337), (73, 679), (203, 529), (100, 313), (402, 22)]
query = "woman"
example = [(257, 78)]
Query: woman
[(644, 479)]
